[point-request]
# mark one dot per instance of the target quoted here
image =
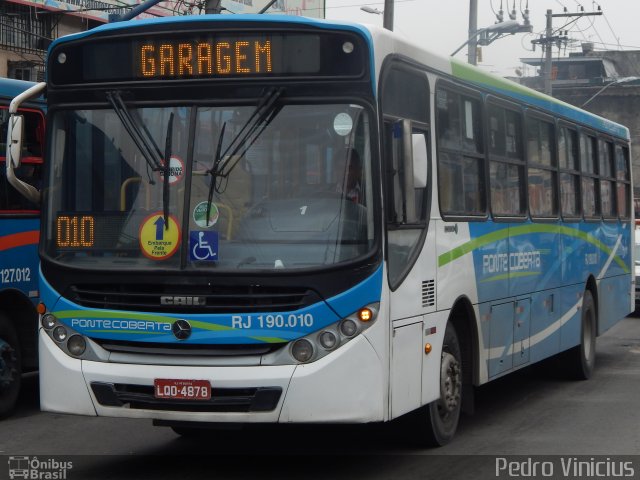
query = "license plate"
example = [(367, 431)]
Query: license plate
[(176, 389)]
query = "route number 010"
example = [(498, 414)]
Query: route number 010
[(75, 231)]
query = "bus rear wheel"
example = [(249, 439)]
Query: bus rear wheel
[(442, 415), (581, 359), (10, 366)]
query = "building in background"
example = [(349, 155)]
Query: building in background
[(305, 8), (27, 27), (606, 83)]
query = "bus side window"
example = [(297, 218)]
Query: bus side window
[(590, 190), (461, 162), (542, 168), (506, 161), (623, 182)]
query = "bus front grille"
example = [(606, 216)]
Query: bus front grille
[(260, 399), (192, 298), (185, 349)]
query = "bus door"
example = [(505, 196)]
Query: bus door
[(410, 253)]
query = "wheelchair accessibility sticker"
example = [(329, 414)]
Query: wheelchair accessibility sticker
[(203, 246), (157, 240)]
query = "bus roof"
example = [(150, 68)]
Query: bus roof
[(252, 18), (453, 67), (500, 86), (11, 88)]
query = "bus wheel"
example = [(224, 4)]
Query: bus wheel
[(443, 414), (581, 359), (10, 366)]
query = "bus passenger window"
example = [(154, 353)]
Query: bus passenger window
[(607, 182), (590, 190), (506, 162), (543, 195), (624, 185), (461, 176)]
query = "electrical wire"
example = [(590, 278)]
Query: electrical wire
[(562, 5), (367, 3), (611, 28)]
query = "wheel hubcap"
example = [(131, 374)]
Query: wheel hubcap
[(450, 383), (586, 339)]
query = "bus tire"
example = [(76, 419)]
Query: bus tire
[(442, 415), (10, 366), (581, 359)]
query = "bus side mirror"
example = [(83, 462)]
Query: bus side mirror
[(14, 139)]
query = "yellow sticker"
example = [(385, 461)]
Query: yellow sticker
[(156, 240)]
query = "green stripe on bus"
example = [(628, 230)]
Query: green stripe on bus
[(139, 332), (271, 339), (492, 237), (209, 326), (465, 71), (506, 276)]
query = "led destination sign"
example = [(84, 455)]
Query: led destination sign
[(171, 56), (198, 59), (88, 231)]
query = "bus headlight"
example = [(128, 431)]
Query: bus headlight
[(76, 345), (348, 327), (60, 334), (48, 321), (318, 344), (69, 341), (302, 350), (328, 340)]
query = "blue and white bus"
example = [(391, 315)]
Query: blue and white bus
[(19, 235), (269, 219)]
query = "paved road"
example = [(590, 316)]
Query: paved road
[(532, 412)]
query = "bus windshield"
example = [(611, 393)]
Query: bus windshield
[(287, 189)]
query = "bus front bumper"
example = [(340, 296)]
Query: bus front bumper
[(345, 386)]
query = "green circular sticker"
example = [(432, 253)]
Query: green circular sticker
[(200, 215)]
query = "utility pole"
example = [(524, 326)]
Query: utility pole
[(485, 36), (213, 6), (548, 57), (550, 39), (472, 48)]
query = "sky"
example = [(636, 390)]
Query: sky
[(442, 26)]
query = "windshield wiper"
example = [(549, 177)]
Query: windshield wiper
[(223, 164), (261, 117), (213, 172), (167, 171), (138, 134), (147, 146)]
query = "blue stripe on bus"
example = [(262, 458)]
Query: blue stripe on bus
[(19, 255), (241, 328)]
